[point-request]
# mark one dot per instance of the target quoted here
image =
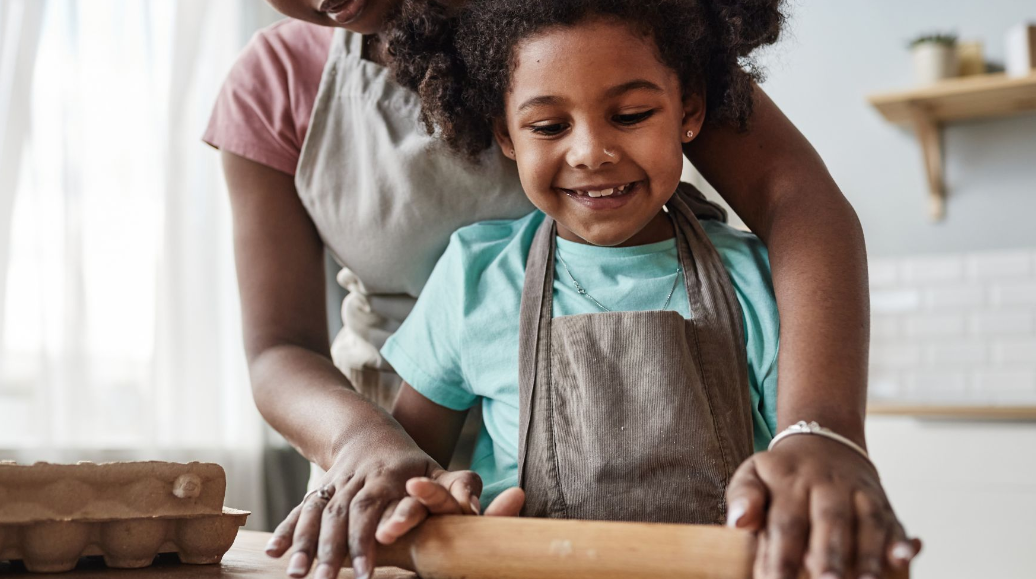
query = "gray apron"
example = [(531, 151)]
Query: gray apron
[(634, 416)]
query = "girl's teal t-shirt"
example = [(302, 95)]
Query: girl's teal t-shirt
[(459, 346)]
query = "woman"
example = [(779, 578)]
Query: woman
[(321, 148)]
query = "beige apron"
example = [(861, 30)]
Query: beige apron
[(634, 416), (385, 198)]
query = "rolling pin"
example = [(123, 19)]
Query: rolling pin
[(456, 547)]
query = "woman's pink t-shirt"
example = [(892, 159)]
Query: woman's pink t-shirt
[(262, 113)]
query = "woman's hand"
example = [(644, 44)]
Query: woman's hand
[(817, 503), (359, 490)]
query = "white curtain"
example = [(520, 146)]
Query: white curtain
[(119, 320), (20, 24)]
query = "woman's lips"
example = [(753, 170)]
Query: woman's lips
[(344, 11)]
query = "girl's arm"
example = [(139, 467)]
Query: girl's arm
[(366, 453), (807, 493), (436, 429)]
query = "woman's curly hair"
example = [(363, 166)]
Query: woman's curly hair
[(460, 61)]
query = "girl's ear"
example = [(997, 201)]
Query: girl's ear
[(693, 116), (503, 138)]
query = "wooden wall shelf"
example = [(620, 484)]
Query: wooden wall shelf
[(927, 109), (953, 412)]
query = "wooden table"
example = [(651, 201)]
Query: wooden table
[(245, 559)]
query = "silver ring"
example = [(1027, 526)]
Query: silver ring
[(323, 493)]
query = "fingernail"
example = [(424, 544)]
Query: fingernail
[(298, 565), (474, 505), (324, 571), (400, 515), (903, 552), (735, 511), (362, 567), (275, 544)]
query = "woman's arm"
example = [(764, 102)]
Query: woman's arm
[(279, 259), (809, 494), (366, 453), (774, 179)]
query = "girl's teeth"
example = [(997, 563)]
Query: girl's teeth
[(606, 192)]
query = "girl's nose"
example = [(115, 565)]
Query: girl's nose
[(590, 150)]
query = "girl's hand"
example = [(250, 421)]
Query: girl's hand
[(816, 503), (359, 489), (438, 497)]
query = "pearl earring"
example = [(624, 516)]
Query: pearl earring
[(690, 134)]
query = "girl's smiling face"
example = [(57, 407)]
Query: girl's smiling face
[(596, 123)]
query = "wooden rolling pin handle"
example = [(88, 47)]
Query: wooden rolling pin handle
[(455, 547)]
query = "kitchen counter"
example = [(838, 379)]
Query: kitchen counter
[(521, 548), (245, 560)]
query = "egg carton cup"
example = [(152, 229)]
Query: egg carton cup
[(125, 543), (110, 491)]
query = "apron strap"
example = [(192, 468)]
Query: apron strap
[(353, 43), (534, 328), (717, 323), (697, 205)]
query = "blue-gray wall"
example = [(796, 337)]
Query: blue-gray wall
[(836, 53)]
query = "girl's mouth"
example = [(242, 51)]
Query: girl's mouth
[(616, 191), (610, 197)]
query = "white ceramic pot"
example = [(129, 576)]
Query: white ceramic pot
[(934, 62)]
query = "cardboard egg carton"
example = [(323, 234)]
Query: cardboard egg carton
[(53, 514)]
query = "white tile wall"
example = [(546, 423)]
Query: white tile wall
[(931, 269), (954, 328)]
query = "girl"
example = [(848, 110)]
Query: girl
[(594, 101), (360, 184), (621, 339)]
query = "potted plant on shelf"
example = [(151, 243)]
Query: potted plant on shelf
[(935, 57)]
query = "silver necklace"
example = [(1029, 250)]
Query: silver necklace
[(582, 291)]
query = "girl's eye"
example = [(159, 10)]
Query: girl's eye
[(548, 130), (634, 118)]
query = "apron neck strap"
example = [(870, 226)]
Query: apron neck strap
[(352, 42), (534, 325)]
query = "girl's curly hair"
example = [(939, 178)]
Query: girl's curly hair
[(460, 61)]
